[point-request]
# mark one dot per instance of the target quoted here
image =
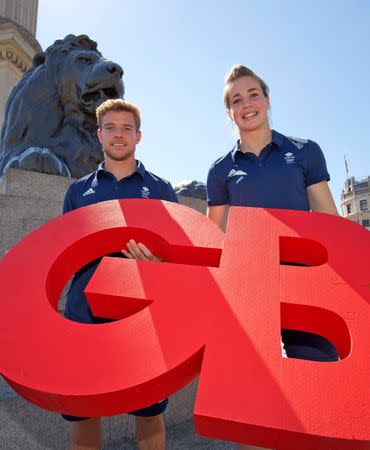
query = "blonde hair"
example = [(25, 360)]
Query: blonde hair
[(118, 104), (239, 71)]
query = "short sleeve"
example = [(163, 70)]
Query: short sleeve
[(316, 170), (68, 204), (172, 197), (216, 189)]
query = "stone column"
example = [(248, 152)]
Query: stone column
[(22, 12), (18, 44)]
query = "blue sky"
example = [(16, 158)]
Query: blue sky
[(314, 55)]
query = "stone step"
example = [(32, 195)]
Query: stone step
[(179, 437)]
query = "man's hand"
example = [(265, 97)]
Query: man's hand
[(139, 251)]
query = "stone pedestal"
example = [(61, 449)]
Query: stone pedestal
[(27, 200)]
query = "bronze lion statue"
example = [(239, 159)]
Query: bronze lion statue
[(49, 121)]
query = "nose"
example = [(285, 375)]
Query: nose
[(114, 69), (118, 132), (247, 102)]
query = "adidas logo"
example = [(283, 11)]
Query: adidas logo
[(88, 192), (236, 173)]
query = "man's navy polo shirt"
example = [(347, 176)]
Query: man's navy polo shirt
[(277, 178), (101, 186)]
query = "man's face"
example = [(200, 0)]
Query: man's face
[(118, 135)]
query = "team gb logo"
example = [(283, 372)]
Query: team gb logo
[(289, 158)]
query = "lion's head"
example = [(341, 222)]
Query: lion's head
[(50, 123)]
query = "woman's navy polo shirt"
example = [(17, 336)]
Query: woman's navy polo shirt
[(277, 178), (101, 186)]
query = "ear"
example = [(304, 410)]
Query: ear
[(138, 136), (99, 133), (38, 59)]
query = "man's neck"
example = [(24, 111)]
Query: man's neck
[(120, 169), (255, 141)]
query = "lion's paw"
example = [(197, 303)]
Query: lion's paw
[(39, 160)]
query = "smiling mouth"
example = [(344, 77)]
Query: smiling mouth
[(250, 115)]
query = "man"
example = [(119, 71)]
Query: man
[(118, 176)]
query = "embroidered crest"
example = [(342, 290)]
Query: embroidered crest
[(145, 192), (289, 158)]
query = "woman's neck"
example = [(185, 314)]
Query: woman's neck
[(255, 141)]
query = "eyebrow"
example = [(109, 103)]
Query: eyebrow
[(249, 90), (111, 124)]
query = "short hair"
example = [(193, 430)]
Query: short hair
[(239, 71), (118, 104)]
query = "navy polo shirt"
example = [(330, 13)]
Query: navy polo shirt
[(101, 186), (277, 178)]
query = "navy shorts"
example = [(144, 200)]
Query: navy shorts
[(149, 411), (301, 345)]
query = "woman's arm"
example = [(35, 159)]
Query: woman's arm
[(218, 214), (321, 199)]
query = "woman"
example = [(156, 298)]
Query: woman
[(267, 169)]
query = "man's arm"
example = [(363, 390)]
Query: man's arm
[(321, 199), (137, 250), (217, 214)]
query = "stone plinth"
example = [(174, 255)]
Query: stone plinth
[(27, 200), (194, 203)]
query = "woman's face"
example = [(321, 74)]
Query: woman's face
[(248, 106)]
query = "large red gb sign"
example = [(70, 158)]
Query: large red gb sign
[(215, 307)]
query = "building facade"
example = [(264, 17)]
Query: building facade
[(356, 200)]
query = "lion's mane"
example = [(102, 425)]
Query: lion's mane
[(49, 121)]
